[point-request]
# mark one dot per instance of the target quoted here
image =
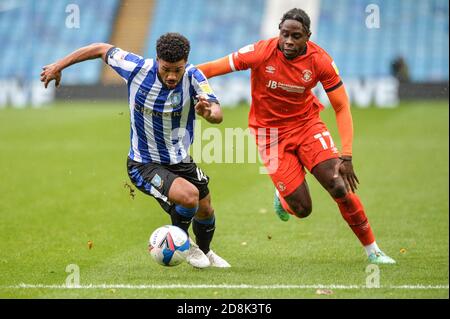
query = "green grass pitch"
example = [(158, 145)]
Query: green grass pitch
[(63, 171)]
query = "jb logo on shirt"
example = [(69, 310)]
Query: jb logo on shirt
[(287, 87)]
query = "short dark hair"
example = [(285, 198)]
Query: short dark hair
[(298, 15), (172, 47)]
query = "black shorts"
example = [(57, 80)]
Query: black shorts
[(155, 179)]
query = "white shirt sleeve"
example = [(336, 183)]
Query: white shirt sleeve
[(202, 87), (123, 62)]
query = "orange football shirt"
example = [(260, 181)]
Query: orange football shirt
[(281, 88)]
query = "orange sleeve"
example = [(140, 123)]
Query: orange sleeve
[(217, 67), (341, 105), (328, 73), (247, 57)]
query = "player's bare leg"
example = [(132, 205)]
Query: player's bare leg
[(297, 203), (351, 209), (183, 193)]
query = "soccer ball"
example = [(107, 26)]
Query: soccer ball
[(169, 245)]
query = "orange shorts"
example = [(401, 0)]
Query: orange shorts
[(285, 157)]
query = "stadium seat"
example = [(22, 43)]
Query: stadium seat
[(35, 33), (405, 26), (222, 30)]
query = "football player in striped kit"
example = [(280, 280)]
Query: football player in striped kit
[(164, 96)]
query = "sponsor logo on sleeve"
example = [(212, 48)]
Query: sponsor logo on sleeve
[(204, 86), (118, 54), (113, 51), (335, 67), (247, 48)]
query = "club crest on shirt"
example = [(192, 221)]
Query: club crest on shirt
[(281, 187), (175, 99), (306, 75), (157, 181)]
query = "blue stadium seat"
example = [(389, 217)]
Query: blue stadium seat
[(214, 28), (34, 33), (417, 30)]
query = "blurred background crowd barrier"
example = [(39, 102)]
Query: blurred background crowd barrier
[(386, 50)]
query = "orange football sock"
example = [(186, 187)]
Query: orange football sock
[(353, 212)]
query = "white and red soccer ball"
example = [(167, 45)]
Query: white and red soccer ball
[(169, 245)]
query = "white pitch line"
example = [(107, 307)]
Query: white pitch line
[(223, 286)]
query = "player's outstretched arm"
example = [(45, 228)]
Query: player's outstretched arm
[(341, 105), (210, 111), (217, 67), (53, 71)]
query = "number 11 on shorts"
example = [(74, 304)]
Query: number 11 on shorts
[(320, 137)]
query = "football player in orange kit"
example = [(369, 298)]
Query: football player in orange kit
[(284, 70)]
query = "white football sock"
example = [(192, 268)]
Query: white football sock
[(373, 247)]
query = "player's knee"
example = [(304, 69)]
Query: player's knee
[(301, 210), (339, 191), (336, 187), (304, 212), (205, 212), (189, 199)]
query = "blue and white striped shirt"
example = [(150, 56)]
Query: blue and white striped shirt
[(162, 119)]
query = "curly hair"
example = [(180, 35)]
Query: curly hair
[(300, 16), (172, 47)]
